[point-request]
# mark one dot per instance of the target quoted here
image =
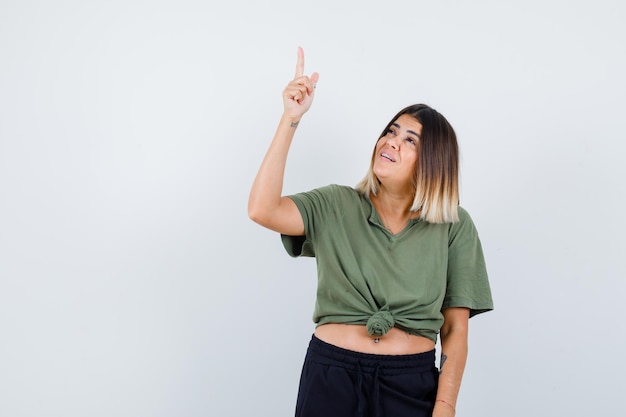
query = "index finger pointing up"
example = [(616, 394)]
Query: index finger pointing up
[(300, 64)]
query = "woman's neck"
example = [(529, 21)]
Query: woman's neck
[(394, 209)]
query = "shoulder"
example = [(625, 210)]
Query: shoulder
[(464, 216), (338, 192), (344, 190), (464, 227), (329, 196)]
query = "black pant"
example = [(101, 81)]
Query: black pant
[(336, 382)]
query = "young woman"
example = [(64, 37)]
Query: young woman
[(399, 264)]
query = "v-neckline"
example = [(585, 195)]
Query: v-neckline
[(376, 219)]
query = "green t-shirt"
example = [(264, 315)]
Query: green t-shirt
[(366, 275)]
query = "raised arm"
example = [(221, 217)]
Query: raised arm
[(266, 205)]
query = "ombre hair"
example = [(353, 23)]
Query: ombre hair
[(436, 176)]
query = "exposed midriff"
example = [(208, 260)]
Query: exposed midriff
[(356, 338)]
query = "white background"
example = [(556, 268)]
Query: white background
[(132, 282)]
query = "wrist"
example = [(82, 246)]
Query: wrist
[(291, 121), (447, 404)]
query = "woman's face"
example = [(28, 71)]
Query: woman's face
[(396, 152)]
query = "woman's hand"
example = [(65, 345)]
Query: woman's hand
[(299, 93)]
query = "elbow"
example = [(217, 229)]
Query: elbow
[(254, 214), (455, 323), (257, 214)]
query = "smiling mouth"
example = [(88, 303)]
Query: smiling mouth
[(387, 156)]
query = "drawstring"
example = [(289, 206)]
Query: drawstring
[(361, 393), (376, 391)]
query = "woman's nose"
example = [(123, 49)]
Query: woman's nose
[(394, 142)]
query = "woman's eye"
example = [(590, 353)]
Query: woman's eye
[(411, 141)]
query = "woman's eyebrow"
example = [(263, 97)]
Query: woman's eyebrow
[(397, 126), (414, 133)]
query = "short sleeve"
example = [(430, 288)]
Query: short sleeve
[(314, 207), (467, 280)]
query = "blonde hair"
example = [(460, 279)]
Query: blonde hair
[(436, 176)]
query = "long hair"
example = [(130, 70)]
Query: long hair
[(436, 171)]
